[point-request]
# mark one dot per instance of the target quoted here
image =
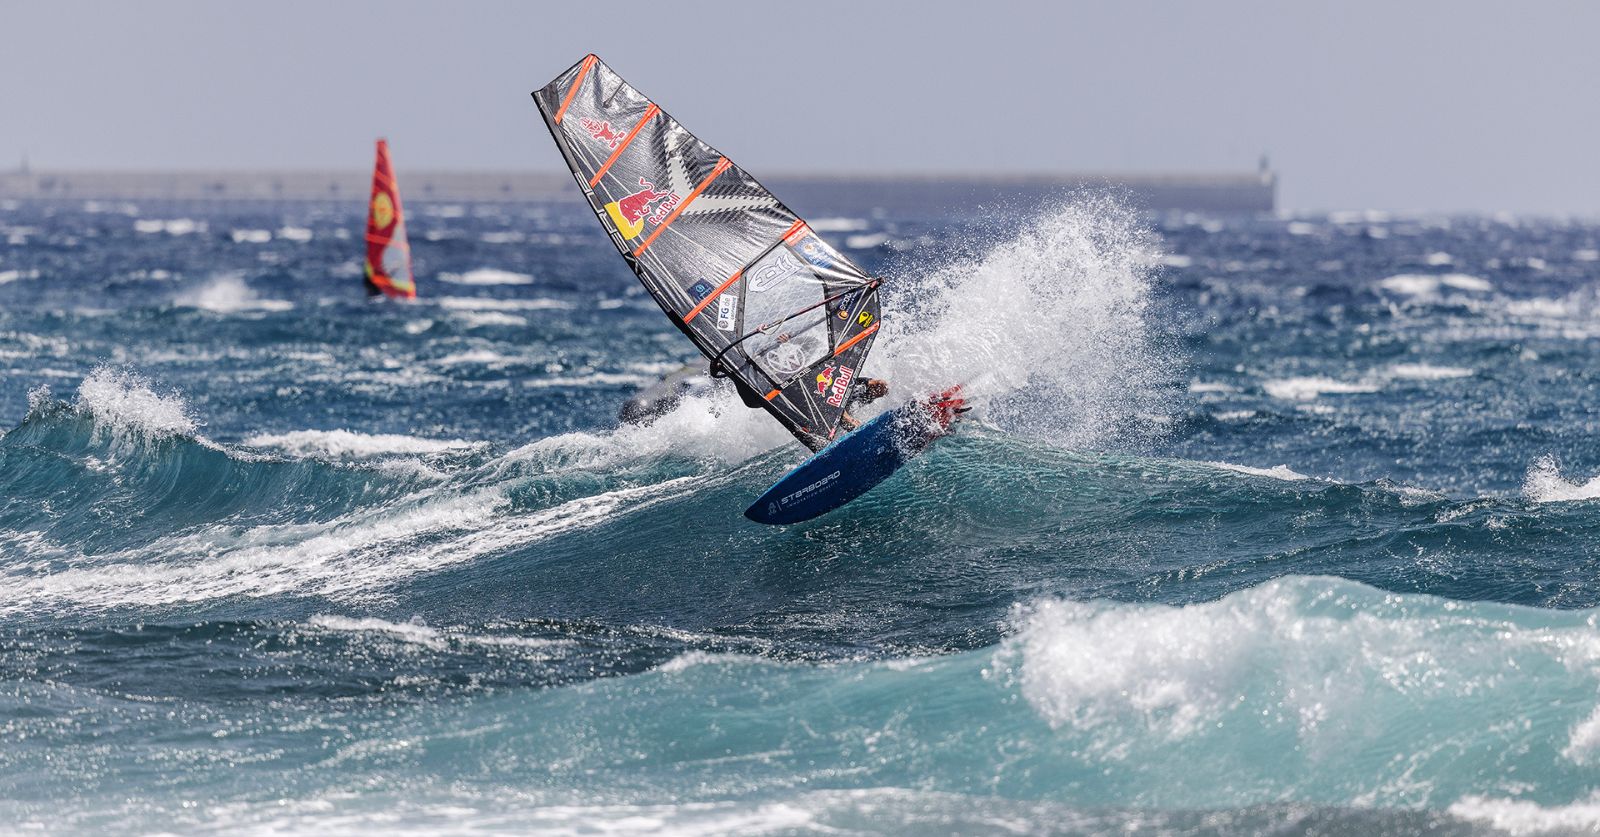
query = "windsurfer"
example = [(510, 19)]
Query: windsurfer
[(862, 393)]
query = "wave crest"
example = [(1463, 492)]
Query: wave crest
[(1545, 484), (123, 400), (1049, 326)]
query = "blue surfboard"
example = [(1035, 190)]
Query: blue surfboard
[(852, 465)]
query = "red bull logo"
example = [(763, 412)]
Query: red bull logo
[(834, 381), (824, 379), (602, 132), (629, 213)]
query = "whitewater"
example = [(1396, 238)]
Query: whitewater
[(1260, 525)]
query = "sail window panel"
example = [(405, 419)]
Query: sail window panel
[(776, 286)]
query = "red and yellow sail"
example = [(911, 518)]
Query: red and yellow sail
[(388, 269)]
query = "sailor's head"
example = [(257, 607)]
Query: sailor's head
[(877, 388)]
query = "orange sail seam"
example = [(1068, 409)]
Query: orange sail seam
[(588, 62), (695, 311), (795, 233), (649, 114), (845, 346), (722, 165)]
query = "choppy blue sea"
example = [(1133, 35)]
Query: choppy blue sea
[(1277, 525)]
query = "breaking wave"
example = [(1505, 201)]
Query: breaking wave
[(1545, 484)]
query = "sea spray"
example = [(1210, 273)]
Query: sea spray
[(1049, 328), (1545, 484), (229, 293), (123, 402)]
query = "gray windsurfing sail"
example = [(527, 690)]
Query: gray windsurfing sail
[(773, 306)]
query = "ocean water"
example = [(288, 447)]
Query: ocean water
[(1277, 525)]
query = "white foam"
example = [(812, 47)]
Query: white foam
[(1048, 329), (1519, 817), (834, 225), (1177, 261), (228, 294), (1161, 664), (1210, 386), (1545, 484), (684, 662), (299, 235), (476, 357), (487, 276), (1278, 472), (7, 276), (152, 275), (1300, 228), (593, 379), (417, 633), (345, 443), (348, 559), (714, 426), (1438, 259), (507, 237), (865, 241), (1586, 255), (124, 400), (174, 226), (1308, 388), (414, 632), (479, 303), (1583, 744), (1410, 284), (1419, 285), (1427, 372), (479, 319), (1308, 654), (251, 236), (1463, 282), (1542, 308)]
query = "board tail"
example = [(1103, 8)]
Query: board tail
[(858, 461), (388, 268)]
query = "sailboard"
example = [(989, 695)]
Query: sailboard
[(858, 461), (388, 268), (770, 303)]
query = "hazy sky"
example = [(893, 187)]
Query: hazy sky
[(1393, 105)]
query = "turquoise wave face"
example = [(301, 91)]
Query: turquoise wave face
[(1260, 525), (1307, 689)]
